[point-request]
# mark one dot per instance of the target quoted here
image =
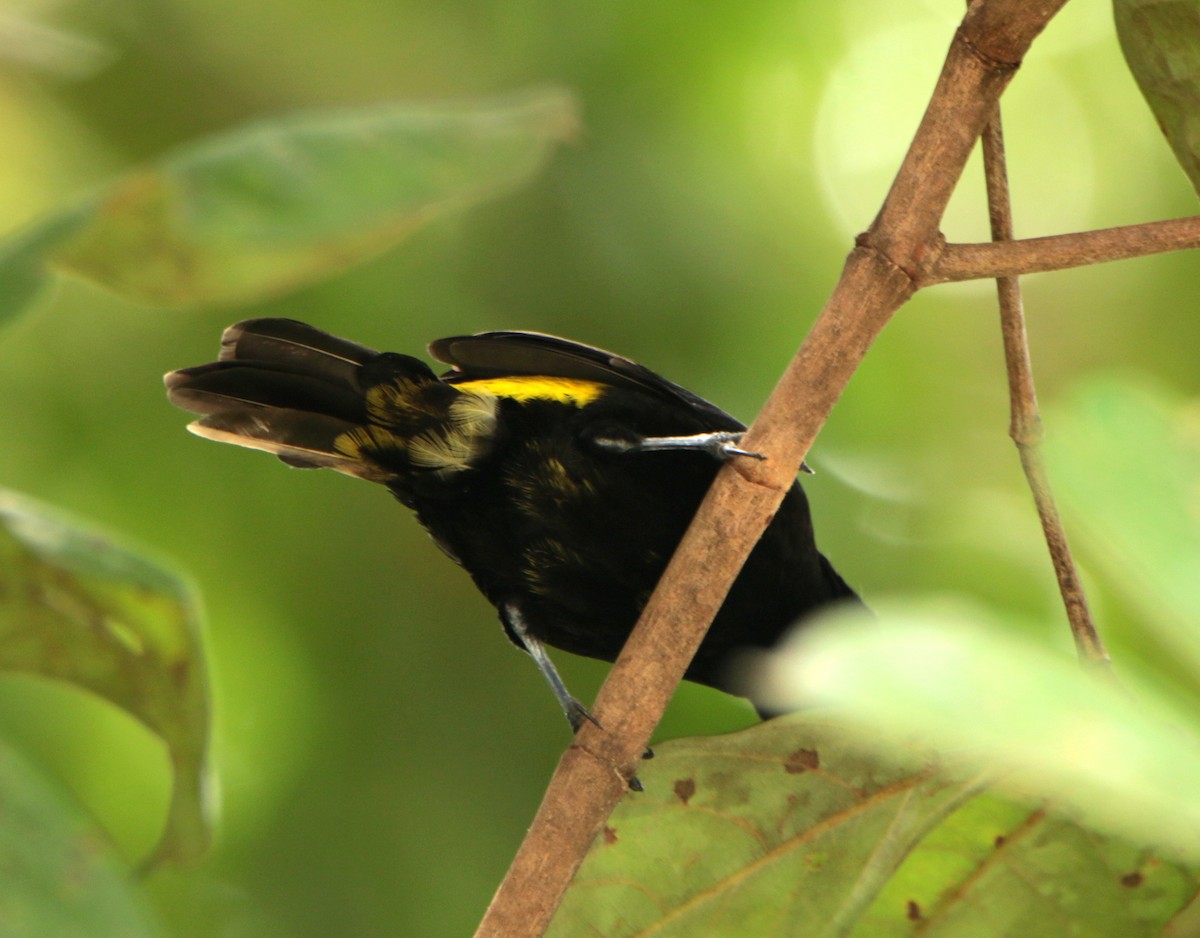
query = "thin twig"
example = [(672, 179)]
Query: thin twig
[(876, 281), (1025, 427), (957, 262)]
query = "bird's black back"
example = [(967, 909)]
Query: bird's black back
[(642, 504), (502, 354)]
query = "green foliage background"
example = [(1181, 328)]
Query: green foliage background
[(380, 748)]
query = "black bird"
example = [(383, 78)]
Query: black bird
[(560, 476)]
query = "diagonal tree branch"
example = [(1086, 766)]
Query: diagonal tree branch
[(1010, 258), (878, 278)]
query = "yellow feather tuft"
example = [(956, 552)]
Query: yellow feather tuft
[(572, 391)]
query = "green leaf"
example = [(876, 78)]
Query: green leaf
[(1161, 42), (800, 827), (78, 608), (23, 272), (286, 202), (778, 828), (1125, 458), (61, 879), (1122, 759), (999, 868)]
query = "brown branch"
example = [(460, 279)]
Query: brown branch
[(876, 281), (957, 262), (985, 54), (1025, 426)]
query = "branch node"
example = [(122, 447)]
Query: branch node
[(1026, 430), (627, 777), (988, 61), (927, 257), (925, 254)]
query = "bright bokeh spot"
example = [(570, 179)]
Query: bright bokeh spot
[(873, 103)]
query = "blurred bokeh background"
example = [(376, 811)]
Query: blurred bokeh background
[(379, 746)]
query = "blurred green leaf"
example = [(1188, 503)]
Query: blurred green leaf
[(23, 271), (78, 608), (288, 201), (61, 879), (1161, 42), (799, 827), (1125, 459), (1122, 759)]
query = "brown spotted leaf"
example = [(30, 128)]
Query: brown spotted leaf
[(797, 827), (998, 867)]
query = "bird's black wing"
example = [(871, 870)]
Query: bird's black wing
[(504, 354)]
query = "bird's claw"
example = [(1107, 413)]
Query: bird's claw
[(723, 446), (577, 713)]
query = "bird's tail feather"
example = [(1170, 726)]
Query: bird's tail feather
[(282, 387)]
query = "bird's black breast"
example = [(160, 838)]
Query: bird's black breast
[(578, 535)]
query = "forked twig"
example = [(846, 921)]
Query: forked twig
[(1025, 427)]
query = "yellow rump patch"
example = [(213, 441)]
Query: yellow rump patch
[(576, 392)]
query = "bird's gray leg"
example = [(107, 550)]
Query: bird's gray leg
[(575, 711)]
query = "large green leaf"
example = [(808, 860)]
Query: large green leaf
[(287, 201), (1161, 42), (1124, 760), (76, 607), (800, 827), (59, 878)]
